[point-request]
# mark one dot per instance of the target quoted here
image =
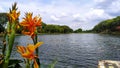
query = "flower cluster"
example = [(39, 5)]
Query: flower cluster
[(13, 15), (28, 52), (29, 24)]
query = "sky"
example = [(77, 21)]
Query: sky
[(76, 14)]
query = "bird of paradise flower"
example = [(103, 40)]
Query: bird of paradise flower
[(29, 24), (28, 52)]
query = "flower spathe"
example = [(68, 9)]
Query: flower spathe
[(29, 24), (28, 52), (13, 15)]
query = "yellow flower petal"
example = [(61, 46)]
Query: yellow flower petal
[(28, 55), (31, 48), (28, 52), (21, 49), (38, 44), (13, 15)]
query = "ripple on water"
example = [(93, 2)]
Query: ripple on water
[(74, 50)]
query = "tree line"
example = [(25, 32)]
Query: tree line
[(50, 28), (108, 26), (46, 28)]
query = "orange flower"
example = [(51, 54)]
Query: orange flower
[(13, 15), (28, 52), (35, 64), (29, 24)]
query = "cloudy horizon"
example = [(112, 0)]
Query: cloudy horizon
[(76, 14)]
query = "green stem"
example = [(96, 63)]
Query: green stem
[(27, 64), (10, 45), (35, 41), (37, 50)]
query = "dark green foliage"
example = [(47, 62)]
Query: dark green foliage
[(3, 18), (14, 63), (87, 31), (3, 21), (41, 29), (1, 28), (54, 29), (66, 29), (19, 29), (78, 30), (108, 26)]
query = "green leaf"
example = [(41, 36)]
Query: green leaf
[(52, 65), (14, 63)]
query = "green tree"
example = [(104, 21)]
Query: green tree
[(78, 30), (50, 28), (42, 29), (3, 21), (107, 26)]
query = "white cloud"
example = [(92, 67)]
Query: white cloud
[(63, 14), (1, 9), (54, 18), (97, 14), (115, 6), (98, 1), (74, 13)]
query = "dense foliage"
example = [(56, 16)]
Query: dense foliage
[(50, 28), (108, 26), (78, 30), (3, 21), (44, 29)]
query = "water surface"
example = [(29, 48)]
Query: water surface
[(74, 50)]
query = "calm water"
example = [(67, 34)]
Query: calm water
[(75, 50)]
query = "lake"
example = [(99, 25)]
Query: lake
[(74, 50)]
